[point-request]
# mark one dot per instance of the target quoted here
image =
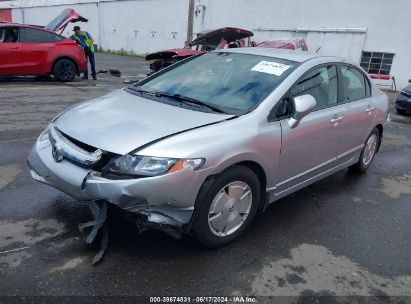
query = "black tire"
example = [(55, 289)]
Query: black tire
[(361, 166), (401, 112), (64, 70), (201, 229)]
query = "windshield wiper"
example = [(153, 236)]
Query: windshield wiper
[(186, 100), (139, 89)]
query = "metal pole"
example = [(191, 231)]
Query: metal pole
[(190, 21), (99, 24)]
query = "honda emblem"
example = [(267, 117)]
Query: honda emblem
[(57, 153)]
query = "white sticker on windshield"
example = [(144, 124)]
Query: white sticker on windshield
[(269, 67)]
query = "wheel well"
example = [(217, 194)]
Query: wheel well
[(380, 130), (69, 58), (255, 167), (259, 171)]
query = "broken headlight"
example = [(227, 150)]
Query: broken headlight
[(138, 165)]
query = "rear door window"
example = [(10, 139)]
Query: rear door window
[(9, 35), (30, 35), (354, 83)]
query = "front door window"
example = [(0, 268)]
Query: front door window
[(320, 83), (311, 147)]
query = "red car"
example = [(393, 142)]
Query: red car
[(39, 50)]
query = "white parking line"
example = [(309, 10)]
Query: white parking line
[(12, 250), (131, 76), (25, 88), (17, 139)]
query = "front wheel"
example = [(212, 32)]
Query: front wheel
[(228, 207), (64, 70), (368, 152)]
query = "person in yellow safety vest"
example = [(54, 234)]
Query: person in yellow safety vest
[(87, 42)]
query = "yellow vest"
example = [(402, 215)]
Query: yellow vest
[(86, 40)]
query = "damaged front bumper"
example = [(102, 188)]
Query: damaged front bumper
[(161, 201)]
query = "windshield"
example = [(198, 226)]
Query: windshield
[(235, 83)]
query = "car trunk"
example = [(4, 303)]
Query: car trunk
[(59, 23)]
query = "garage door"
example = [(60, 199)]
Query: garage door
[(5, 14)]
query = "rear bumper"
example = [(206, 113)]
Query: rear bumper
[(82, 66), (81, 60), (167, 199)]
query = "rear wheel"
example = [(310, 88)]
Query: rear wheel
[(64, 70), (368, 152), (228, 207)]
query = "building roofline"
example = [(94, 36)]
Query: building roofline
[(297, 56)]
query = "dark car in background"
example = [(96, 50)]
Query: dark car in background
[(32, 50), (403, 103)]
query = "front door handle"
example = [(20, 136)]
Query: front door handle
[(370, 109), (14, 48), (336, 119)]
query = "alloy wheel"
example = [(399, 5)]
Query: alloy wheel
[(230, 208), (66, 70), (370, 149)]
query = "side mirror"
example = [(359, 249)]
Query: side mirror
[(303, 105), (409, 80)]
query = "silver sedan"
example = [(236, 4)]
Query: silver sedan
[(205, 144)]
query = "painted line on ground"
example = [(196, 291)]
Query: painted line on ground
[(17, 139), (13, 250)]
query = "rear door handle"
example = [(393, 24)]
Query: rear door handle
[(14, 48)]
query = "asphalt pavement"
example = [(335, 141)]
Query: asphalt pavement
[(347, 235)]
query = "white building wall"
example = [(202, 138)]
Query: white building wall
[(144, 26), (386, 23), (342, 28), (141, 26), (41, 15)]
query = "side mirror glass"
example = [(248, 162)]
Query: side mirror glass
[(303, 105)]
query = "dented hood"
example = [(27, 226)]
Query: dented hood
[(122, 122)]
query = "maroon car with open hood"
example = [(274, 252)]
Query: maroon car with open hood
[(206, 41)]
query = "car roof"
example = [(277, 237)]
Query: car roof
[(292, 55), (39, 27)]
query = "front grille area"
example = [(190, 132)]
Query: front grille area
[(97, 166), (79, 144), (104, 161)]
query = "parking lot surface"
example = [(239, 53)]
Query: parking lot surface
[(346, 235)]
